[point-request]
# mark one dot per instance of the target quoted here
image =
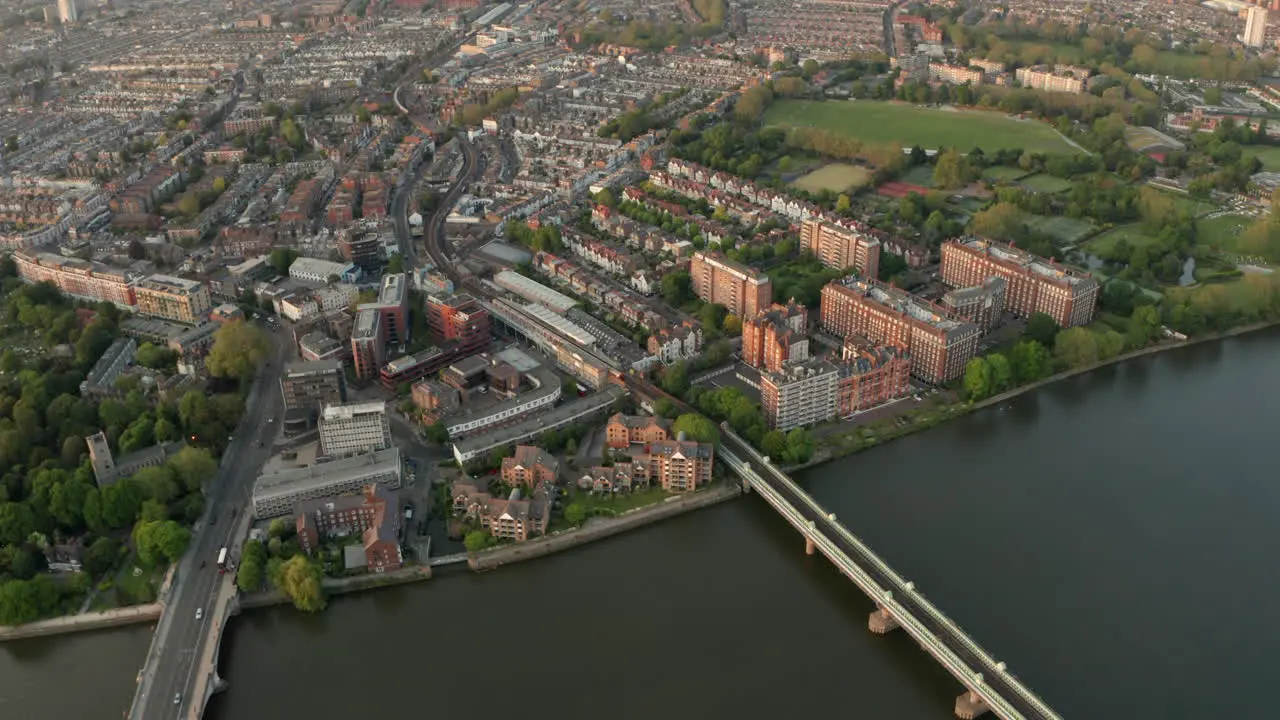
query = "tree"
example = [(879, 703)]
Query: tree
[(437, 433), (774, 444), (799, 446), (1077, 347), (253, 559), (1002, 221), (1144, 326), (574, 514), (194, 467), (238, 349), (395, 264), (154, 541), (951, 171), (1030, 361), (1001, 372), (677, 288), (22, 601), (696, 427), (17, 522), (1042, 328), (300, 578), (11, 143), (282, 258), (101, 557), (732, 325), (675, 378), (977, 379), (189, 204), (477, 540)]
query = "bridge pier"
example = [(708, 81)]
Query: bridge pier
[(808, 545), (881, 622), (970, 706)]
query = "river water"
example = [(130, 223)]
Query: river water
[(1109, 537)]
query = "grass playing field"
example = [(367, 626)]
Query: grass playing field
[(931, 128), (1000, 172), (836, 177), (1134, 234), (1065, 230), (1046, 183), (1270, 156), (1222, 232)]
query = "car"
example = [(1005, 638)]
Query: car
[(199, 613), (177, 698), (213, 519), (203, 563)]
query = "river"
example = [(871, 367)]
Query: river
[(1108, 537)]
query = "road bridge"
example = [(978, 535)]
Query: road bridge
[(990, 687)]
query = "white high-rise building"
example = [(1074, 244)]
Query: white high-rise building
[(354, 428), (1255, 27), (67, 12)]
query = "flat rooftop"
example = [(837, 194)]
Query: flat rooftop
[(537, 422), (350, 410), (903, 302), (366, 325), (320, 474), (171, 284), (303, 368), (1017, 256)]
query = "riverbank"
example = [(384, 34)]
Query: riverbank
[(932, 417), (603, 528), (341, 586), (87, 621)]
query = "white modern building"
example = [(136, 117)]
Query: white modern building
[(354, 428), (1255, 27), (320, 271), (277, 493)]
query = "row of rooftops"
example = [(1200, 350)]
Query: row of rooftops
[(903, 302), (1009, 254)]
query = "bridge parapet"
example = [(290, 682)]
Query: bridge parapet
[(819, 534)]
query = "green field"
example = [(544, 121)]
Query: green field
[(1065, 230), (836, 177), (1000, 172), (1046, 183), (931, 128), (921, 175), (1270, 156), (1222, 232), (1104, 243)]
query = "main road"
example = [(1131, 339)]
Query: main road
[(167, 676)]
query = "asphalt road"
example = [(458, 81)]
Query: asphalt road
[(994, 679), (179, 638)]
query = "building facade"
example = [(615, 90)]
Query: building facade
[(981, 305), (530, 467), (459, 319), (799, 394), (776, 336), (1034, 284), (173, 298), (743, 290), (352, 429), (278, 492), (1042, 78), (871, 375), (78, 278), (368, 353), (841, 248), (680, 465), (623, 431), (940, 343), (514, 518)]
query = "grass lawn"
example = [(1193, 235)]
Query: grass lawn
[(1000, 172), (836, 177), (1269, 155), (611, 505), (139, 588), (921, 175), (1190, 205), (1104, 243), (886, 122), (1065, 230), (1222, 232), (1046, 183)]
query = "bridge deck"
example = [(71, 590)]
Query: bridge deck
[(1012, 699)]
